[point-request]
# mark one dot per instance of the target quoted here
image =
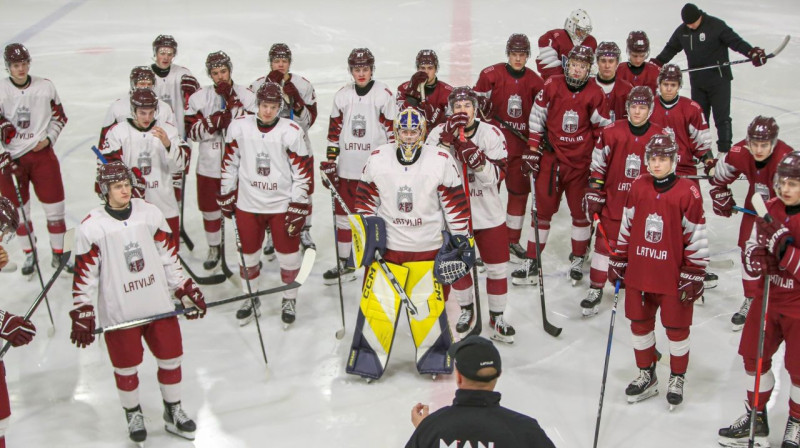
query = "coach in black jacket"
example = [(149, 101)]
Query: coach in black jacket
[(476, 417), (705, 40)]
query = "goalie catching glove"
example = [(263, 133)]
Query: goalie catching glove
[(455, 258), (369, 236)]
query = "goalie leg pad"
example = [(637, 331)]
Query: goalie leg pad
[(431, 333), (369, 235)]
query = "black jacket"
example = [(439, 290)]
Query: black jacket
[(476, 416), (707, 45)]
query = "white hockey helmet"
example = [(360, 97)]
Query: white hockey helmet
[(578, 25)]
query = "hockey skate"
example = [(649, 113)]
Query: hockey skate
[(710, 281), (591, 304), (136, 429), (517, 252), (576, 268), (29, 266), (269, 248), (245, 313), (177, 422), (738, 433), (305, 239), (675, 390), (791, 437), (465, 319), (644, 386), (503, 331), (331, 276), (528, 275), (288, 312), (212, 259), (56, 262), (738, 318)]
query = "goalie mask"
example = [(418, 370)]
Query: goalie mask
[(409, 133), (454, 259), (9, 219), (578, 25), (788, 169)]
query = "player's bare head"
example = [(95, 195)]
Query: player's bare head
[(607, 55), (787, 179), (280, 57), (578, 65), (114, 180), (518, 50), (578, 25), (144, 105), (762, 134), (638, 47), (9, 219), (670, 81), (165, 48), (409, 131), (270, 101), (219, 67), (17, 59), (661, 155), (362, 65), (639, 105), (142, 77), (463, 100)]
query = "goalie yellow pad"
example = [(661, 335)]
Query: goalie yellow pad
[(359, 232)]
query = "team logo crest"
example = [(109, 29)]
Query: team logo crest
[(134, 257), (405, 199), (359, 126), (569, 123), (144, 163), (763, 190), (23, 117), (262, 164), (514, 108), (653, 228), (633, 165), (702, 37)]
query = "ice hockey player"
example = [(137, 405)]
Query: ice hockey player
[(506, 92), (616, 162), (772, 252), (414, 190), (616, 89), (555, 45), (663, 230), (211, 109), (14, 329), (360, 122), (756, 158), (133, 231), (638, 70), (300, 105), (267, 174), (483, 152), (564, 124), (31, 119), (425, 92)]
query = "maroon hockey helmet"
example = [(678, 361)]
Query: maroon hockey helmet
[(361, 57), (607, 49), (788, 168), (579, 53), (519, 43), (218, 59), (640, 95), (427, 57), (638, 42), (280, 51), (143, 98), (269, 92), (16, 53), (9, 218), (661, 145), (763, 128), (142, 73), (670, 72), (460, 94), (111, 172), (165, 41)]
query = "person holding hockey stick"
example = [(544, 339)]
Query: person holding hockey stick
[(126, 256), (483, 151), (413, 191), (757, 158), (663, 230), (267, 175), (424, 91), (772, 253)]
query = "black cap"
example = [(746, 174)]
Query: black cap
[(474, 353), (690, 13)]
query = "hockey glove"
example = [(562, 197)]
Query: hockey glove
[(485, 107), (469, 153), (723, 201), (417, 79), (657, 62), (757, 56), (454, 259), (617, 266), (191, 296), (225, 90), (7, 130), (15, 329), (450, 131), (690, 284), (774, 236), (82, 334), (593, 202), (370, 231), (177, 185), (189, 85), (291, 90), (329, 176), (530, 162), (758, 261), (7, 164), (709, 164), (275, 76), (227, 203), (296, 216), (138, 184)]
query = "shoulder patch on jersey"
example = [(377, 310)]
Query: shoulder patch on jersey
[(488, 69), (294, 125), (375, 151), (695, 191), (388, 92), (90, 215), (736, 149), (446, 86), (694, 104), (444, 154)]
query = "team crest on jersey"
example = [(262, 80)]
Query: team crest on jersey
[(405, 199), (359, 126), (763, 190), (514, 109), (134, 257), (569, 123), (653, 228), (633, 165), (262, 164), (23, 117), (702, 37), (144, 163)]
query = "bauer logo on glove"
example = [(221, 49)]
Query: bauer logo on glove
[(455, 258)]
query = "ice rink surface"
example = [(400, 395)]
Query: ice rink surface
[(65, 397)]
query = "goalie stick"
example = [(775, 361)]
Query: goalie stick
[(305, 269), (551, 329), (774, 53)]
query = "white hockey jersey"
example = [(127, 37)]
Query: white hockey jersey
[(169, 90), (486, 206), (202, 104), (270, 167), (308, 115), (359, 125), (120, 110), (35, 112), (131, 265)]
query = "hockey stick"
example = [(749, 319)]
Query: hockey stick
[(706, 177), (510, 128), (744, 210), (339, 332), (184, 236), (774, 53), (65, 256), (476, 330), (29, 230), (551, 329), (605, 365), (215, 279), (305, 269), (249, 289)]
